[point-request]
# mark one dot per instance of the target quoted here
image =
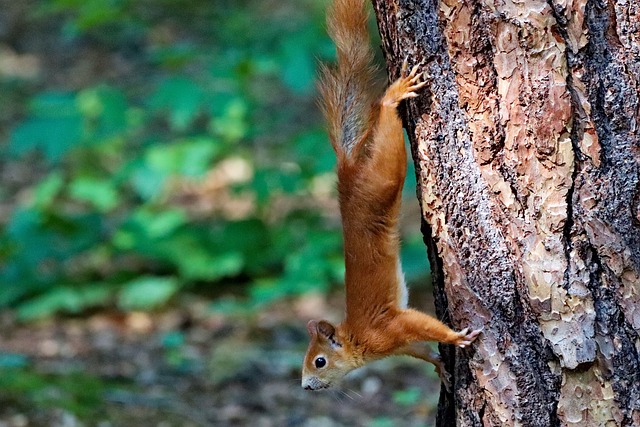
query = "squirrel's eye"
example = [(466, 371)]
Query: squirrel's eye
[(320, 362)]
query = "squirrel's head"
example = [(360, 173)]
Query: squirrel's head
[(327, 359)]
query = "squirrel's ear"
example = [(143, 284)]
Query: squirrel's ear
[(326, 329), (312, 328)]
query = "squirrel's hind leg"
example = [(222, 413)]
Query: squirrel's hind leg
[(423, 352)]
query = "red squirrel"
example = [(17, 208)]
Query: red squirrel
[(367, 137)]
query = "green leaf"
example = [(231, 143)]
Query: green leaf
[(47, 189), (196, 155), (147, 224), (124, 240), (251, 237), (408, 397), (54, 137), (93, 13), (232, 124), (57, 299), (95, 294), (164, 223), (269, 181), (181, 98), (65, 299), (14, 288), (106, 108), (100, 193), (200, 265), (146, 181), (192, 157), (264, 291), (147, 292), (54, 127), (40, 240)]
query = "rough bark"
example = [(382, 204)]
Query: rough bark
[(527, 154)]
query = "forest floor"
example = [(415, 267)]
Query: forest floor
[(187, 366)]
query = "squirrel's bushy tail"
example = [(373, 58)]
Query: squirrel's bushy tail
[(346, 91)]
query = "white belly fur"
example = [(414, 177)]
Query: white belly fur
[(403, 292)]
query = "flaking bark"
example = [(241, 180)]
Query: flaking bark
[(527, 155)]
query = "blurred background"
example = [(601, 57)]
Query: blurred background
[(168, 220)]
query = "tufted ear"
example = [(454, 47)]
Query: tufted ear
[(326, 329), (312, 328)]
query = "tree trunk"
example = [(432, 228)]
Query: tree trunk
[(527, 155)]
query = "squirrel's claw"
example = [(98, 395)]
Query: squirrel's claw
[(414, 70), (416, 86), (405, 66), (465, 337), (445, 378)]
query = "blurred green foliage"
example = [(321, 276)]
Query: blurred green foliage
[(191, 156), (76, 392), (408, 397)]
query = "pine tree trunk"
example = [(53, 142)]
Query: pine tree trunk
[(527, 154)]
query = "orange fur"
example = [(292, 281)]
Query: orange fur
[(368, 140)]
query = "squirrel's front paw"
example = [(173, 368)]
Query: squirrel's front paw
[(412, 81), (465, 337), (405, 87)]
